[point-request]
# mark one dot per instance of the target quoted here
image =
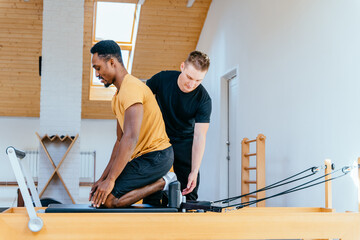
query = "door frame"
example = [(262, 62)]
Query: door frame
[(231, 75)]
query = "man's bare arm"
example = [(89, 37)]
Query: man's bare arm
[(111, 161), (115, 151), (132, 124), (198, 149)]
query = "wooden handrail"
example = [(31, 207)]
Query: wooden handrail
[(250, 182), (250, 154), (250, 141), (250, 168)]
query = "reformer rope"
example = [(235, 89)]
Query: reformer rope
[(274, 185), (345, 171), (209, 206)]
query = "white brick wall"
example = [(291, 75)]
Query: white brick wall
[(61, 82)]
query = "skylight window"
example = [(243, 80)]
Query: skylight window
[(119, 22), (115, 21)]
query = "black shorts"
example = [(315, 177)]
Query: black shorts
[(143, 170)]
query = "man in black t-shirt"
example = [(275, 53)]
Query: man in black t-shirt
[(186, 109)]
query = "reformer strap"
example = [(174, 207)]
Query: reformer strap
[(314, 170), (208, 206), (345, 171)]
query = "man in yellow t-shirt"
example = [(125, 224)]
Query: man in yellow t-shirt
[(142, 155)]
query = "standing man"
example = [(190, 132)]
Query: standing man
[(186, 108), (142, 154)]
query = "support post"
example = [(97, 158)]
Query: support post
[(245, 176), (328, 192), (260, 168)]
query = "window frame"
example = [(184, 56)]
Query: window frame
[(97, 91)]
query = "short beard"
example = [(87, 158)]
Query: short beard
[(106, 85)]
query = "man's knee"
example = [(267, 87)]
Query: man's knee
[(114, 202), (109, 202)]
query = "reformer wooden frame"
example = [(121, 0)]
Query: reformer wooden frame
[(247, 223), (259, 168), (57, 167)]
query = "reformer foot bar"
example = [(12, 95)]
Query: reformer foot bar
[(249, 223)]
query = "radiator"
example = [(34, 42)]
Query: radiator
[(88, 164), (87, 167)]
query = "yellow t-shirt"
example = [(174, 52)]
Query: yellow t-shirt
[(152, 136)]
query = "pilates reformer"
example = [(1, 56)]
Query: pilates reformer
[(35, 223), (25, 182)]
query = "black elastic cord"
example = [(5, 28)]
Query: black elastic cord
[(241, 205), (271, 186), (294, 189)]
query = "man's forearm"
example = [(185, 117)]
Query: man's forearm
[(112, 159), (127, 145), (198, 149)]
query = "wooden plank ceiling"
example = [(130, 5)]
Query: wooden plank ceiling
[(168, 31)]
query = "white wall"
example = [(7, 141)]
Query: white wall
[(19, 133), (298, 84), (96, 135), (60, 98)]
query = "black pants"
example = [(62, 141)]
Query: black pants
[(182, 168), (182, 164)]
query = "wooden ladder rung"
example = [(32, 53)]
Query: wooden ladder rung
[(249, 168), (252, 196), (249, 154), (250, 182), (250, 141)]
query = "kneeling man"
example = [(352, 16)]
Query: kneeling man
[(142, 155)]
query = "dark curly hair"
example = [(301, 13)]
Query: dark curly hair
[(107, 49)]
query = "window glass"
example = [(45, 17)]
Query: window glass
[(119, 22), (114, 21)]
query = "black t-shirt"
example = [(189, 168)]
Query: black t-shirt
[(180, 110)]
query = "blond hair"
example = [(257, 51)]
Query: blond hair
[(199, 60)]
